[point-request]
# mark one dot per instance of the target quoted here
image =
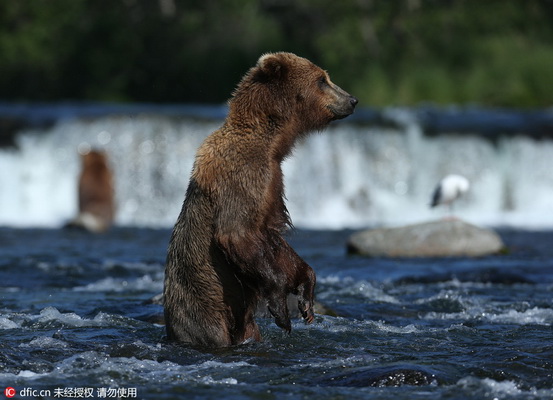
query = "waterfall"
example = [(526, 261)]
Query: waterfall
[(352, 175)]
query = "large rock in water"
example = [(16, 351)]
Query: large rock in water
[(444, 238)]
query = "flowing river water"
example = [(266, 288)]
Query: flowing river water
[(75, 316)]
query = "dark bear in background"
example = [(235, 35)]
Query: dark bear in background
[(96, 194), (227, 251)]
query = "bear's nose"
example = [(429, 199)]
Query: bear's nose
[(353, 100)]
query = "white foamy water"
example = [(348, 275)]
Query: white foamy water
[(534, 316), (45, 343), (6, 323), (101, 367), (353, 287), (144, 283), (53, 315)]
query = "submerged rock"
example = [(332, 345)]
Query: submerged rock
[(387, 376), (444, 238)]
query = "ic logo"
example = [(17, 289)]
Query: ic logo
[(9, 392)]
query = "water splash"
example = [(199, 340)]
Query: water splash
[(352, 175)]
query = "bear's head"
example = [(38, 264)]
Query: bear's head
[(291, 90), (95, 160)]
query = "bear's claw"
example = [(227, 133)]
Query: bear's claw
[(306, 310), (309, 318)]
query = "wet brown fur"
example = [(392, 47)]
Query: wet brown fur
[(227, 251)]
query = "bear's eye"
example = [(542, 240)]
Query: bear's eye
[(323, 81)]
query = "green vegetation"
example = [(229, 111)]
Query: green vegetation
[(387, 52)]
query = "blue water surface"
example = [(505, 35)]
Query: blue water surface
[(75, 320)]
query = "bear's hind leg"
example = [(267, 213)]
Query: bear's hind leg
[(251, 333)]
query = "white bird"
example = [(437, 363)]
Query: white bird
[(449, 189)]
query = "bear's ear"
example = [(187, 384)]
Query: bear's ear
[(271, 66)]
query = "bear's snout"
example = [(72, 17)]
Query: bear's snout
[(345, 104)]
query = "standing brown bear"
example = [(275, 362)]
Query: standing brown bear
[(227, 251)]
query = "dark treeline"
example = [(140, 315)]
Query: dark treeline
[(493, 52)]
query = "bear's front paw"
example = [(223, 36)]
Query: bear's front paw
[(279, 311), (284, 323)]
